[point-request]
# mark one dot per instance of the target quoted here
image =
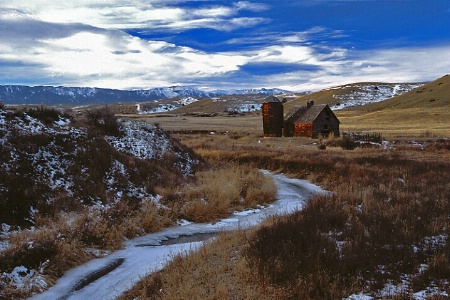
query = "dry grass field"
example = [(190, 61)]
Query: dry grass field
[(380, 234), (386, 224), (423, 112), (248, 124), (377, 229)]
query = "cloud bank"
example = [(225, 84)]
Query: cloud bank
[(122, 44)]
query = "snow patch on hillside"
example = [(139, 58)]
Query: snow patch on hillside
[(370, 93), (146, 141), (56, 146), (166, 107), (141, 140)]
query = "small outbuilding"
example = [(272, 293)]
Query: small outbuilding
[(311, 121)]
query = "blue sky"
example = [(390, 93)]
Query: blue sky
[(297, 45)]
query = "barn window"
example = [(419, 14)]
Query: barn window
[(327, 115)]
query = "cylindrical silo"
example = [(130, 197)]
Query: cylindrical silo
[(272, 111)]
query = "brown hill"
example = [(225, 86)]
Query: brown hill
[(424, 111), (434, 94), (356, 94)]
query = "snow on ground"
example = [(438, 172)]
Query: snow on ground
[(186, 101), (370, 93), (145, 255), (167, 106), (146, 141), (141, 140), (244, 107)]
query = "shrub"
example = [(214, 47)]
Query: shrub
[(348, 144), (46, 115), (104, 120)]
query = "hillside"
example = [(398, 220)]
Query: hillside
[(356, 94), (423, 111), (72, 190), (434, 94), (340, 97), (49, 160)]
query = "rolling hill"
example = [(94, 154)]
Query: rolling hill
[(339, 97), (434, 94), (424, 111), (355, 94)]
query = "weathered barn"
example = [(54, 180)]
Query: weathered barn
[(272, 111), (311, 121)]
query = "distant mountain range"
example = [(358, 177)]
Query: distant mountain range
[(20, 94)]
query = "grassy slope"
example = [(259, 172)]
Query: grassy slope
[(420, 112), (218, 105), (327, 96)]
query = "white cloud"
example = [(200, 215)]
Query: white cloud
[(87, 56), (246, 5), (134, 14), (81, 43), (115, 59), (412, 64)]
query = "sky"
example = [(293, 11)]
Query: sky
[(298, 45)]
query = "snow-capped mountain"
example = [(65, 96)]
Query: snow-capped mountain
[(261, 91), (20, 94)]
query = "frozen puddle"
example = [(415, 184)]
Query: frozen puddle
[(182, 239), (109, 277)]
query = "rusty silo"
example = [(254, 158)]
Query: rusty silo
[(272, 111)]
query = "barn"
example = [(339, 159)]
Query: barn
[(311, 121)]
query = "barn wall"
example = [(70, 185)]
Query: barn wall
[(303, 129), (288, 129), (325, 123)]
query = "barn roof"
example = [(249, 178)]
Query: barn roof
[(272, 99), (303, 114)]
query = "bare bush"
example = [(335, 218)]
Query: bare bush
[(104, 120)]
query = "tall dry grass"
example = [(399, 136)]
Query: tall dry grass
[(217, 271), (218, 192), (386, 223)]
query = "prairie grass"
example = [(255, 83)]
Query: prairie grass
[(219, 191), (386, 223), (386, 219), (385, 211), (62, 243), (217, 271), (415, 122)]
